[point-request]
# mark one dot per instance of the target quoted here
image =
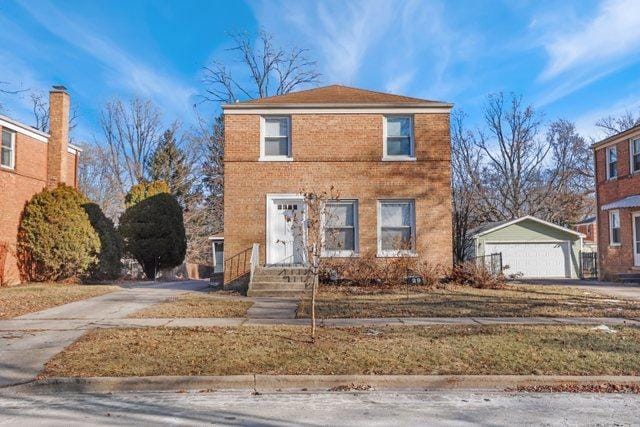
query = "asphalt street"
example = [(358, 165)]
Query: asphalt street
[(315, 409)]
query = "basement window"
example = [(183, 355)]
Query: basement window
[(8, 151)]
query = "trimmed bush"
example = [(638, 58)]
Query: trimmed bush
[(153, 228), (109, 264), (56, 240)]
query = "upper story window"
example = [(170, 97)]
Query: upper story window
[(635, 155), (398, 138), (612, 162), (341, 228), (8, 151), (614, 228), (275, 138), (396, 227)]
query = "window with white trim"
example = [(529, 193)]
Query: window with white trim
[(614, 227), (340, 228), (612, 162), (8, 150), (276, 138), (635, 155), (396, 227), (398, 138)]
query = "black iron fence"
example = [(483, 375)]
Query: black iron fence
[(492, 262), (588, 265)]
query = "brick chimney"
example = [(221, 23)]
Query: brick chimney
[(59, 103)]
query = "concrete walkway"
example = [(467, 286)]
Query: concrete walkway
[(36, 337), (273, 308), (619, 290)]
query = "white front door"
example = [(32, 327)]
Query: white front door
[(285, 230), (636, 239)]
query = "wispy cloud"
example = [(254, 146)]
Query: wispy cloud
[(380, 43), (122, 69), (610, 39)]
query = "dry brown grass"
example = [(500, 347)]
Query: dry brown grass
[(28, 298), (461, 301), (195, 305), (521, 350)]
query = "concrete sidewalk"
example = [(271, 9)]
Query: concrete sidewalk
[(39, 325), (36, 337)]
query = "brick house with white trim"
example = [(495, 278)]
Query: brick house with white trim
[(388, 157), (31, 160), (617, 169)]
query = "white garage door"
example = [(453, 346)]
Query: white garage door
[(534, 259)]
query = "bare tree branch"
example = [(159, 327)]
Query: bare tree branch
[(271, 70)]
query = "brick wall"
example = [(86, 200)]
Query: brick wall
[(37, 164), (615, 259), (344, 151)]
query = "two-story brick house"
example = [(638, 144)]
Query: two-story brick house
[(31, 160), (387, 156), (617, 161)]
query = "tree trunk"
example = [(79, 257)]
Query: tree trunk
[(314, 290)]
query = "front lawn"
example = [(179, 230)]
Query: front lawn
[(28, 298), (520, 350), (196, 305), (459, 301)]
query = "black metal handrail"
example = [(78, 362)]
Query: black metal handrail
[(237, 265)]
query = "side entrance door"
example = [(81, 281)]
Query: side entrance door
[(285, 231), (636, 239)]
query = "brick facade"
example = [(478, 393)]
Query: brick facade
[(343, 150), (32, 173), (616, 259)]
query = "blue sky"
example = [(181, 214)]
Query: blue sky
[(576, 60)]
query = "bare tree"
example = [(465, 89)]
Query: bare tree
[(271, 70), (97, 182), (510, 169), (612, 125), (465, 165), (310, 226), (131, 134)]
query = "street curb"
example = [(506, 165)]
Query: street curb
[(270, 383)]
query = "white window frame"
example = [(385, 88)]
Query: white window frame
[(611, 215), (263, 156), (608, 161), (356, 231), (12, 166), (631, 154), (412, 148), (402, 252)]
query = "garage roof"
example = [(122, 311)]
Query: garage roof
[(503, 224)]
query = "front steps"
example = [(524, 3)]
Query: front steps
[(281, 282), (633, 277)]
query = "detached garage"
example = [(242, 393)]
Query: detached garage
[(530, 247)]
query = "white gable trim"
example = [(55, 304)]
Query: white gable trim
[(335, 110), (532, 218), (27, 130)]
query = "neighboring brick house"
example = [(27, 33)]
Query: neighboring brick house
[(589, 227), (388, 157), (30, 161), (617, 161)]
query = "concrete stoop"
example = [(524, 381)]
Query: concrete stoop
[(314, 383), (281, 282)]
